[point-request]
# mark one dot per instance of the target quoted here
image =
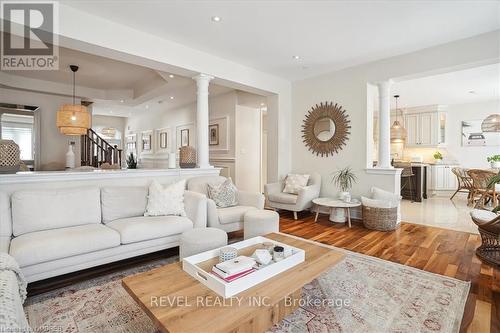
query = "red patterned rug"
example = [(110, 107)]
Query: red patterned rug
[(360, 294)]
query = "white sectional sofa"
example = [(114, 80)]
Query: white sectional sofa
[(54, 232)]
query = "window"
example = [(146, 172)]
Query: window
[(19, 128)]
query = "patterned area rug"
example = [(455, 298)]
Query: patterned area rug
[(360, 294)]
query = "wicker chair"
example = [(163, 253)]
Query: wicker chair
[(480, 181), (464, 182), (382, 219), (489, 250), (408, 178)]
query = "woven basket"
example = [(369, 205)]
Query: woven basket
[(382, 219), (187, 158), (9, 156)]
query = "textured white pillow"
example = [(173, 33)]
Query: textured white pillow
[(295, 182), (166, 201), (376, 203), (379, 194)]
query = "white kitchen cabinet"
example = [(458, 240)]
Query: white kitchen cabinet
[(425, 127), (441, 178)]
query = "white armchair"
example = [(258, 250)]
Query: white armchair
[(229, 218), (293, 202)]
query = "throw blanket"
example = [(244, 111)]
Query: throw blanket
[(8, 263)]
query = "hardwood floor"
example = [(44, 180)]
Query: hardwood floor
[(441, 251)]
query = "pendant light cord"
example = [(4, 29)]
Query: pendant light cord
[(73, 88)]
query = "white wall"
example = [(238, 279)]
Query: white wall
[(248, 152), (349, 88), (220, 106), (53, 144), (110, 121), (467, 157)]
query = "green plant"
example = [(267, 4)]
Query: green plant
[(131, 162), (438, 156), (344, 179), (494, 158)]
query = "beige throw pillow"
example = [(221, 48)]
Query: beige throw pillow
[(295, 182), (223, 194)]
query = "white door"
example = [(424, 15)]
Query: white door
[(248, 131)]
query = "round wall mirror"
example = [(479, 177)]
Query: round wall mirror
[(326, 129)]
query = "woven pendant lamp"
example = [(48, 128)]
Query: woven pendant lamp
[(73, 119), (491, 123), (398, 132)]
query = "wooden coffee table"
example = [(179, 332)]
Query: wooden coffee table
[(176, 302)]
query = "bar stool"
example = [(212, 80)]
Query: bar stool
[(407, 178)]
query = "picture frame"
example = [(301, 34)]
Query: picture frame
[(219, 135), (213, 135), (184, 137), (131, 144), (147, 147), (163, 140)]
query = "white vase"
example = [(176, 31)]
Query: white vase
[(345, 196), (171, 160), (70, 157)]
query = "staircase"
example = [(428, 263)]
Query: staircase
[(96, 151)]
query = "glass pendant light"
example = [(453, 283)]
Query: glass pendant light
[(73, 119), (398, 132)]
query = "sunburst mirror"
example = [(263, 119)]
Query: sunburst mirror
[(326, 129)]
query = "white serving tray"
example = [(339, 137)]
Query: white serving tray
[(228, 289)]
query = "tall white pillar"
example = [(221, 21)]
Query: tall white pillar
[(202, 82), (384, 127)]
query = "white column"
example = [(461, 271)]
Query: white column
[(384, 127), (202, 82)]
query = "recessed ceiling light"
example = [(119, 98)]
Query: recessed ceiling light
[(262, 104), (296, 57), (147, 106), (171, 97), (216, 18), (121, 100), (171, 76)]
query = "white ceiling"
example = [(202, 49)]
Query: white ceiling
[(467, 86), (94, 72), (327, 35), (144, 89)]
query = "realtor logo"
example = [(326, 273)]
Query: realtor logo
[(29, 35)]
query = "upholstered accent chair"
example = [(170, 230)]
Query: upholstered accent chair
[(277, 199), (228, 218)]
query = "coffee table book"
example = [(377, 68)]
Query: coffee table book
[(200, 266)]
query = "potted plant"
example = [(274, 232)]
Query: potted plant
[(438, 157), (131, 162), (344, 179), (494, 161)]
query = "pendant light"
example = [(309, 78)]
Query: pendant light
[(73, 119), (491, 123), (398, 132)]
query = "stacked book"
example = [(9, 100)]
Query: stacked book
[(235, 268)]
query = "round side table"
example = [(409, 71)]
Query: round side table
[(340, 211)]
